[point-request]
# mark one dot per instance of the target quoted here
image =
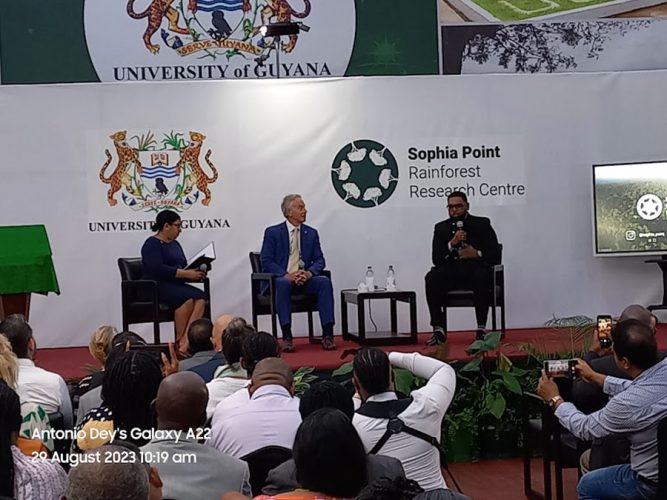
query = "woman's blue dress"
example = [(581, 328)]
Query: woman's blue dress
[(160, 261)]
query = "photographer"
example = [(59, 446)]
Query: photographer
[(636, 408)]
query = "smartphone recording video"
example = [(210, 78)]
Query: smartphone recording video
[(604, 330), (560, 368)]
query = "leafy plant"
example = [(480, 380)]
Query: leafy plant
[(569, 337), (173, 140), (303, 377), (145, 142)]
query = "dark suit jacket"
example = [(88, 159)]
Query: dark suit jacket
[(283, 478), (480, 235), (275, 250)]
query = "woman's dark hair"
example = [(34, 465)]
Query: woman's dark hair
[(398, 488), (371, 367), (232, 341), (10, 422), (329, 455), (165, 217), (129, 387), (256, 347), (326, 394)]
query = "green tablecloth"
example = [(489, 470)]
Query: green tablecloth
[(25, 261)]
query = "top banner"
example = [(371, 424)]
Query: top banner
[(66, 41)]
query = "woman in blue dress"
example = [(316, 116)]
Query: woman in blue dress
[(164, 261)]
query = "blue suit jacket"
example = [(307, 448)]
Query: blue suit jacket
[(275, 250)]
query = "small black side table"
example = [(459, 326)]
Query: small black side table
[(392, 337), (662, 263)]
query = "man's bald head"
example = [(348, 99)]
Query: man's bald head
[(272, 371), (218, 327), (181, 401), (638, 313)]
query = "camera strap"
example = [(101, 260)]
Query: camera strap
[(391, 410)]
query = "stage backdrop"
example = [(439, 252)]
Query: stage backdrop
[(373, 158)]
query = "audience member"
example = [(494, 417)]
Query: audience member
[(636, 408), (207, 370), (200, 346), (329, 394), (270, 418), (230, 377), (390, 489), (329, 456), (34, 435), (23, 477), (181, 406), (422, 412), (256, 346), (99, 348), (36, 385), (108, 477), (128, 391), (93, 398)]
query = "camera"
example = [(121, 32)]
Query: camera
[(560, 367)]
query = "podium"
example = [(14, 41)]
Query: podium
[(25, 267)]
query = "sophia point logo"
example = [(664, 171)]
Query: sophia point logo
[(364, 173)]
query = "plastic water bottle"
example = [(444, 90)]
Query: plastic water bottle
[(391, 278), (370, 282)]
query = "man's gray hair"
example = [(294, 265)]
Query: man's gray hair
[(287, 202), (109, 478)]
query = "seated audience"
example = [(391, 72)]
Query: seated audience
[(636, 408), (36, 385), (23, 477), (269, 418), (256, 346), (230, 377), (329, 456), (329, 394), (200, 346), (108, 477), (99, 348), (207, 370), (93, 398), (34, 435), (181, 406), (422, 412), (128, 391)]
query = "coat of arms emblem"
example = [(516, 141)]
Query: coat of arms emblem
[(151, 176)]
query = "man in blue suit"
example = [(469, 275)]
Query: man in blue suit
[(291, 251)]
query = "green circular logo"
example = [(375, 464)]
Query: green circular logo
[(364, 173)]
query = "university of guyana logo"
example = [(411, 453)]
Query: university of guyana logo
[(150, 176), (215, 28), (649, 207), (364, 173)]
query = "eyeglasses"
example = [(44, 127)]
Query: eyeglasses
[(457, 205)]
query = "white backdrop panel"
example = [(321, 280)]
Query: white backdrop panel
[(269, 138)]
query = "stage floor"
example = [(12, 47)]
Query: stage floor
[(70, 362)]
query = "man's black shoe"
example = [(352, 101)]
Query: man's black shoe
[(438, 337), (480, 334)]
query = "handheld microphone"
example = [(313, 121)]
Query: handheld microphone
[(459, 227), (203, 268)]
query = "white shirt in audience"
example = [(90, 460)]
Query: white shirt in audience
[(35, 478), (269, 418), (227, 381), (44, 388), (420, 459)]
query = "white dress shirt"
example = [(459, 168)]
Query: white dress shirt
[(420, 459), (269, 418), (44, 388)]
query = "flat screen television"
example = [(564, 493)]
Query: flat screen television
[(630, 208)]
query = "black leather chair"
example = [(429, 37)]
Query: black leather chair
[(261, 462), (265, 303), (465, 298), (139, 298), (57, 422)]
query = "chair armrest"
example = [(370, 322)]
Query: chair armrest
[(499, 268), (261, 276), (326, 272), (533, 396)]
